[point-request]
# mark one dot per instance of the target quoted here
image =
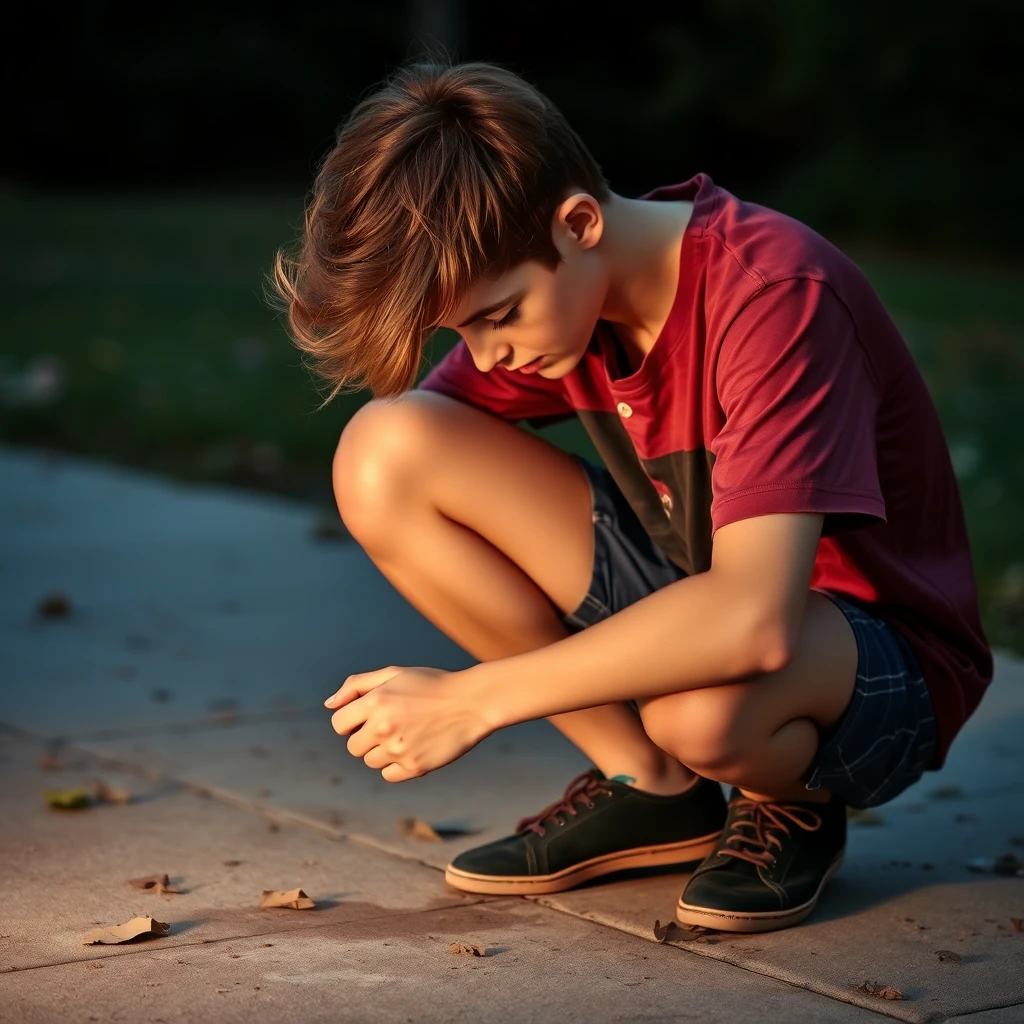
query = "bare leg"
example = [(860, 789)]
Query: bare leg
[(487, 532)]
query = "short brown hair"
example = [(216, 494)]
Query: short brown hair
[(445, 174)]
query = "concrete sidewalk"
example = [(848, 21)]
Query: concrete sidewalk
[(205, 629)]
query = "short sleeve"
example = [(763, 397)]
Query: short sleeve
[(800, 405), (509, 395)]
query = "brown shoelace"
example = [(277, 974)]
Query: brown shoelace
[(580, 790), (766, 822)]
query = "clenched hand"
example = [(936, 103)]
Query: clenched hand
[(407, 721)]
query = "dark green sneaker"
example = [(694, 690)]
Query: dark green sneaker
[(769, 867), (599, 826)]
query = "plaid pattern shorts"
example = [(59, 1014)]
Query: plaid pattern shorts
[(886, 738)]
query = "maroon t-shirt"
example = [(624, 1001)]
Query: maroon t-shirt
[(778, 384)]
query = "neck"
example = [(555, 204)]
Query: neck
[(641, 241)]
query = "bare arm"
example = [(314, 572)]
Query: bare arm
[(741, 617)]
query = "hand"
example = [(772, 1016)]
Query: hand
[(407, 721)]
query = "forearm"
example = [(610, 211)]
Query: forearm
[(700, 631)]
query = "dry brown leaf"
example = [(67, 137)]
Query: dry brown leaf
[(136, 928), (110, 794), (461, 947), (1009, 864), (161, 883), (293, 899), (1018, 924), (307, 863), (672, 931), (231, 863), (54, 606), (882, 991), (93, 967), (419, 829), (948, 954)]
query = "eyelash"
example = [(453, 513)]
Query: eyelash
[(507, 320)]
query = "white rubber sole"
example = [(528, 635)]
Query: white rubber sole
[(730, 921), (638, 857)]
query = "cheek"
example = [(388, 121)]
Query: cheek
[(579, 305)]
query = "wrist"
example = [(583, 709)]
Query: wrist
[(478, 686)]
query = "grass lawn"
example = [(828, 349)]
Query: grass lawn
[(134, 330)]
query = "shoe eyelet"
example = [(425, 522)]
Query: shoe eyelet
[(560, 821)]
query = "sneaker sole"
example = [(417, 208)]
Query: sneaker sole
[(638, 857), (764, 921)]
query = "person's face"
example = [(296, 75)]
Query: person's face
[(530, 312)]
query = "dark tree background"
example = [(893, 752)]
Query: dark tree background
[(894, 122)]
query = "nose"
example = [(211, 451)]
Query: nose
[(485, 358)]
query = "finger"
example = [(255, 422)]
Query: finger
[(377, 757), (358, 684), (396, 773), (349, 718)]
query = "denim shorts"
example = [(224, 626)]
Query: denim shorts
[(886, 738)]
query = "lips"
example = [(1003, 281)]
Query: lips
[(532, 367)]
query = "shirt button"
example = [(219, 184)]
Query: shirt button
[(666, 503), (624, 410)]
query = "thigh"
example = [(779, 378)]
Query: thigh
[(886, 738), (525, 496)]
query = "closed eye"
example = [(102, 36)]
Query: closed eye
[(507, 320)]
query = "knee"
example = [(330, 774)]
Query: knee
[(708, 730), (374, 461)]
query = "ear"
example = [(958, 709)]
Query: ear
[(578, 222)]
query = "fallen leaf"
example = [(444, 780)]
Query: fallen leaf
[(136, 928), (460, 947), (293, 899), (67, 799), (50, 763), (864, 817), (93, 967), (307, 863), (264, 945), (948, 954), (161, 883), (1018, 924), (231, 863), (418, 828), (882, 991), (54, 606), (109, 794), (329, 527), (672, 931), (1008, 864), (946, 793)]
